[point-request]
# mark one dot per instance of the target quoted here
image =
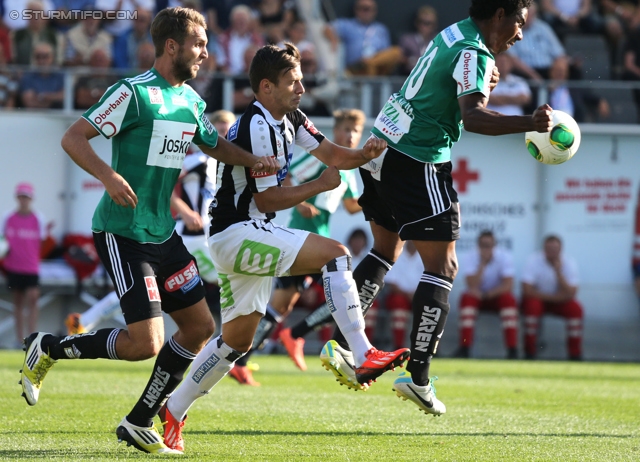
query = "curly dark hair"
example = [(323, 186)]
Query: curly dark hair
[(484, 9)]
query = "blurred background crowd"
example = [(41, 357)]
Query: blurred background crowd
[(582, 56)]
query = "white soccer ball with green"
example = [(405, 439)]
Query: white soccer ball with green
[(557, 146)]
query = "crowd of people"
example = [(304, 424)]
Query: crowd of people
[(103, 50)]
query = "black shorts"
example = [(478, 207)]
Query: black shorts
[(20, 281), (150, 278), (412, 198), (300, 282)]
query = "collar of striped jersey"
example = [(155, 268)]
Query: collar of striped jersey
[(267, 115)]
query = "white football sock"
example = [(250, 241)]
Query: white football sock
[(344, 304), (210, 366)]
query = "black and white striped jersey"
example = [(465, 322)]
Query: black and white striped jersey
[(259, 133), (197, 187)]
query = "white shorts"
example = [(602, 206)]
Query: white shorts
[(199, 248), (248, 255)]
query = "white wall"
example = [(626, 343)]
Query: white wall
[(510, 193)]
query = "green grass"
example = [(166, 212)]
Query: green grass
[(497, 410)]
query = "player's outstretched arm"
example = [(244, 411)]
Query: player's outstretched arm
[(478, 119), (346, 159), (231, 154), (75, 142)]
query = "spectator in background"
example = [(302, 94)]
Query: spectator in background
[(218, 13), (5, 43), (236, 40), (38, 30), (358, 244), (488, 273), (145, 55), (90, 88), (296, 33), (631, 64), (275, 17), (402, 281), (84, 39), (621, 14), (313, 104), (549, 285), (140, 33), (367, 43), (42, 87), (512, 94), (24, 229), (8, 82), (415, 44), (120, 28), (571, 16), (540, 47), (19, 5), (66, 23), (242, 92), (577, 102)]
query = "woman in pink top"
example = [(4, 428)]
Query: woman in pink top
[(24, 230)]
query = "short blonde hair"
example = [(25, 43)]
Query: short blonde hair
[(351, 115), (223, 116), (174, 23)]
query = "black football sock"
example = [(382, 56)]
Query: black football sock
[(369, 276), (430, 309), (171, 364), (314, 320), (91, 345)]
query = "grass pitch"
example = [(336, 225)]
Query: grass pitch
[(496, 410)]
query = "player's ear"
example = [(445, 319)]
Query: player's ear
[(266, 86), (171, 47), (499, 14)]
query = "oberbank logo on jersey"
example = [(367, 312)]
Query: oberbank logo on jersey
[(109, 115), (169, 143), (466, 72)]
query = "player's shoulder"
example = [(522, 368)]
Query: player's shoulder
[(190, 93), (463, 35), (147, 78)]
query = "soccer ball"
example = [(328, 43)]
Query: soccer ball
[(557, 146)]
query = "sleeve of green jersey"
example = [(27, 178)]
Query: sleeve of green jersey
[(116, 111), (206, 133), (472, 71)]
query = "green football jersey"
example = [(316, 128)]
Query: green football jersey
[(151, 125), (305, 168), (423, 119)]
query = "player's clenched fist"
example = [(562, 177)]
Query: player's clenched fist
[(542, 119), (267, 164), (495, 78), (330, 178), (373, 148)]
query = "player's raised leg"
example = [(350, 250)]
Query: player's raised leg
[(344, 305)]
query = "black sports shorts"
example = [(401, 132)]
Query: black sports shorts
[(150, 278), (412, 198)]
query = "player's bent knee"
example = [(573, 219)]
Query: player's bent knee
[(339, 263)]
